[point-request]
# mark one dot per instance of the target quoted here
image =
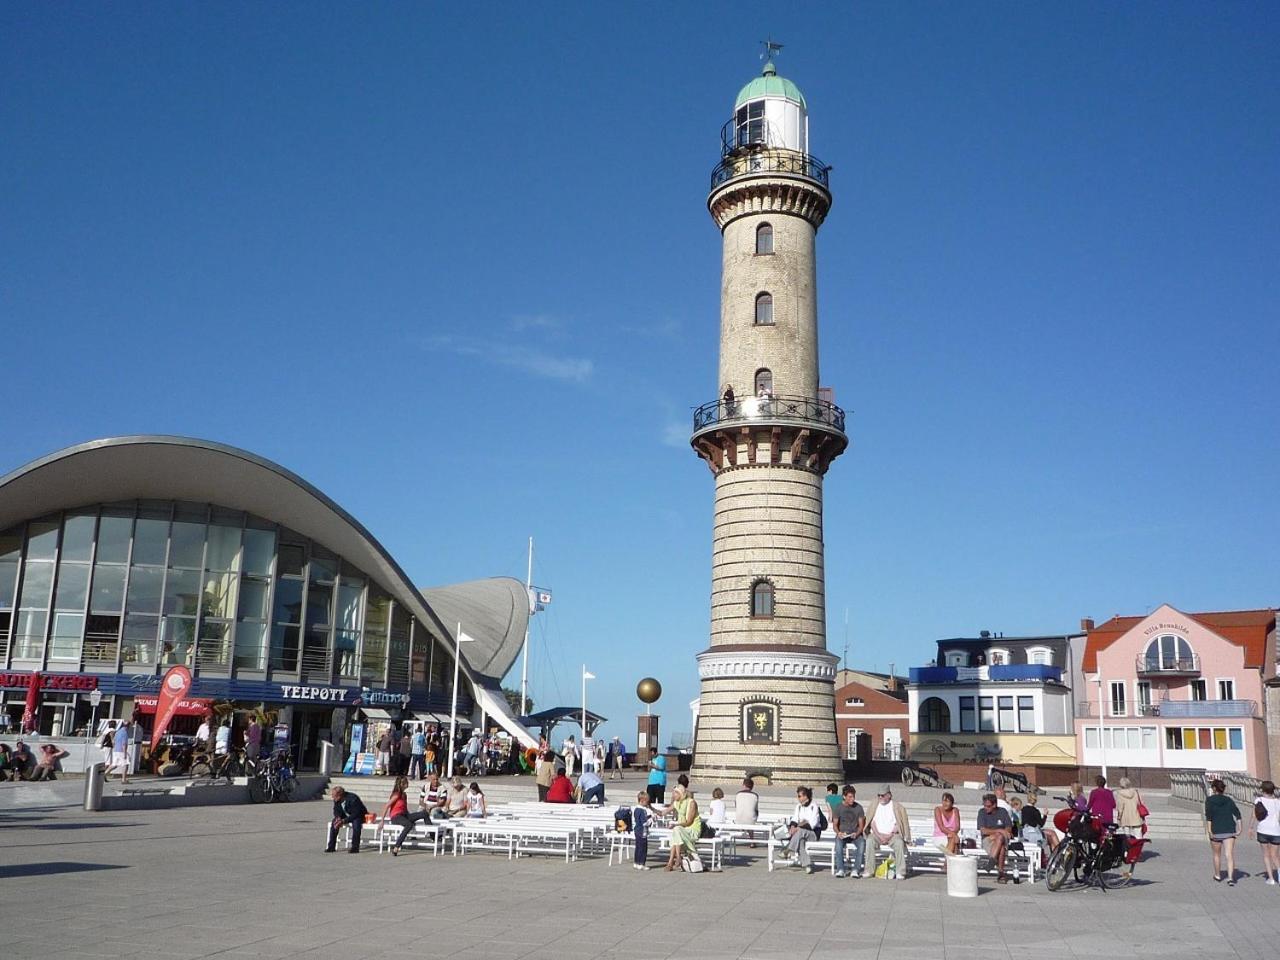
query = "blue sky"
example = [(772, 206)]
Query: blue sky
[(453, 265)]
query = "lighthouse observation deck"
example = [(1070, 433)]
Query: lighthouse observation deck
[(767, 411)]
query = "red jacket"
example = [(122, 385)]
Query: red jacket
[(561, 790)]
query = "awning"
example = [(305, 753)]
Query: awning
[(375, 713), (194, 707), (425, 716)]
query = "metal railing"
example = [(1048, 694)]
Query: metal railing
[(1167, 665), (740, 164), (769, 410), (1174, 709), (1192, 786)]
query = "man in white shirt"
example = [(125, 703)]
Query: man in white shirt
[(223, 746), (889, 826), (746, 805), (203, 733)]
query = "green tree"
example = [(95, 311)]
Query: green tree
[(513, 700)]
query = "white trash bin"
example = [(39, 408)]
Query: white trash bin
[(962, 876)]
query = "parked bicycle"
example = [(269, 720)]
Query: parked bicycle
[(226, 766), (1092, 853), (273, 779)]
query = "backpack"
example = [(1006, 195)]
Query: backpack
[(708, 831), (1259, 810), (822, 823), (622, 822)]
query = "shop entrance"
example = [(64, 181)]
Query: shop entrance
[(310, 725)]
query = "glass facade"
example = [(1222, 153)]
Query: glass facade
[(140, 586)]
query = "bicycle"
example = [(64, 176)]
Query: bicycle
[(1091, 853), (273, 780), (226, 766)]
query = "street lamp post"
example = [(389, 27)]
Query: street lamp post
[(1102, 743), (460, 639), (585, 677)]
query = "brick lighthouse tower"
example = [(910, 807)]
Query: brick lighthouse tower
[(767, 702)]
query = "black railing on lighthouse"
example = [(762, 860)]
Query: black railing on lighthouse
[(770, 161), (818, 413)]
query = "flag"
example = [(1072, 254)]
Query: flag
[(588, 676), (538, 599), (174, 686), (465, 638)]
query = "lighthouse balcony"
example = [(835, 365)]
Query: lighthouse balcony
[(788, 431), (769, 410), (764, 161)]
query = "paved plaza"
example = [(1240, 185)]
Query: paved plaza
[(246, 882)]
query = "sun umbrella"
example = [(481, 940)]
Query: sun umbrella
[(32, 704)]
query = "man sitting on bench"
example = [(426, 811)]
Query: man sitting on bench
[(996, 829), (347, 809)]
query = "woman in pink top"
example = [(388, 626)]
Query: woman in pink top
[(946, 825)]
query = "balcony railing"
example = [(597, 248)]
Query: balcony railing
[(996, 673), (1168, 666), (1172, 709), (770, 161), (818, 413)]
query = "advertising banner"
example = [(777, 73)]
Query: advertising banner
[(173, 688)]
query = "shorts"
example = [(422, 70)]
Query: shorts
[(939, 843), (1219, 837), (119, 758), (989, 844), (1269, 838)]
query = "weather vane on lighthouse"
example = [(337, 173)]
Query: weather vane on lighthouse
[(771, 50)]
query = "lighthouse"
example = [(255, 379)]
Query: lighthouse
[(767, 706)]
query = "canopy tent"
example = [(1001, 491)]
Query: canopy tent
[(545, 720)]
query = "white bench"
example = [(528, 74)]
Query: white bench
[(422, 835), (516, 837)]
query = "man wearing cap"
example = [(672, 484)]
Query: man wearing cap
[(889, 827)]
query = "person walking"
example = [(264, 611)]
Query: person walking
[(383, 764), (406, 753), (1222, 825), (1266, 809), (1128, 800), (545, 773), (1102, 801), (417, 755), (253, 742), (619, 752), (657, 776), (570, 750), (348, 809), (119, 754)]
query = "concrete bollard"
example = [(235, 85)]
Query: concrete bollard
[(962, 876), (328, 757), (93, 786)]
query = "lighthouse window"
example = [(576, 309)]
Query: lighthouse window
[(762, 599), (749, 121), (764, 310), (764, 383), (764, 239)]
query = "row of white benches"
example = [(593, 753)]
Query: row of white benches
[(572, 831)]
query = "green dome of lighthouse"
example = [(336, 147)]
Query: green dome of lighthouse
[(769, 84)]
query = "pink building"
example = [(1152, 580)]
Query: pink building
[(1177, 691)]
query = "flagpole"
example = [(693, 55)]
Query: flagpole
[(453, 710), (524, 666)]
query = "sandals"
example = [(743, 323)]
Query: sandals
[(1231, 882), (1218, 878)]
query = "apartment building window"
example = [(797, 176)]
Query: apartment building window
[(1144, 698), (1199, 690), (1118, 706), (966, 715), (1226, 689), (1027, 714), (1006, 714), (986, 714)]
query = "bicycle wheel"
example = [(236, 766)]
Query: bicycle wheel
[(287, 787), (233, 768), (258, 790), (1061, 865)]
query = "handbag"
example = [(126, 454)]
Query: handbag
[(693, 864), (1143, 812)]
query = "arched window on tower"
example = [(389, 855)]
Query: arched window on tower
[(935, 716), (764, 238), (764, 383), (762, 599), (764, 310)]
